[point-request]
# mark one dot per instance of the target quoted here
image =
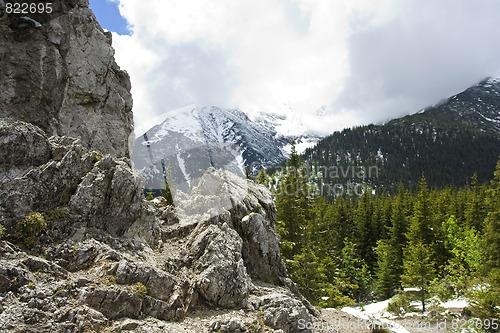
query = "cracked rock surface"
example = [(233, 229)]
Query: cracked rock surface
[(63, 78)]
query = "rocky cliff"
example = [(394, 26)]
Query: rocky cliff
[(80, 249), (62, 77)]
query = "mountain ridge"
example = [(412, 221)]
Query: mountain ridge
[(447, 142), (209, 137)]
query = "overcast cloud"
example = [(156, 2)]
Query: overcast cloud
[(361, 60)]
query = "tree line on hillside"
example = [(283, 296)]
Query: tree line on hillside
[(441, 242), (446, 152)]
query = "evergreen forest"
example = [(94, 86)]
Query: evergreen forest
[(443, 242)]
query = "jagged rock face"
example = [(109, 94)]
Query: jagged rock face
[(203, 262), (244, 206), (62, 77), (57, 176), (220, 275)]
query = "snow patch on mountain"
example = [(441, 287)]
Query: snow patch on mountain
[(189, 140)]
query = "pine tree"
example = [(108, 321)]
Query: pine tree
[(293, 207), (365, 229), (263, 178), (418, 268), (421, 225), (353, 274), (308, 273), (475, 210), (418, 260), (387, 276), (397, 230), (492, 223)]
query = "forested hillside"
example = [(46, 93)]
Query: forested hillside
[(447, 143), (443, 242)]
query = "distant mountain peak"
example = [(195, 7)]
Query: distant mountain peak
[(191, 139), (448, 142)]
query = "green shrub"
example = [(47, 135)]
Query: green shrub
[(57, 214), (484, 297), (30, 227), (400, 305), (140, 289), (2, 231), (109, 280), (150, 196)]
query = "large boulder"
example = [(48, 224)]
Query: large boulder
[(214, 253)]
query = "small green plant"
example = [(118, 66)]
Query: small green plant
[(150, 195), (140, 289), (97, 157), (379, 330), (30, 227), (399, 305), (109, 280), (31, 285), (76, 248), (167, 194), (260, 316), (2, 231), (57, 214)]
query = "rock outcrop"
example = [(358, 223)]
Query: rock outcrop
[(62, 77), (80, 248)]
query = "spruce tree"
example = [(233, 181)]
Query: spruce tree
[(365, 228), (397, 230), (418, 261), (475, 210), (263, 178), (492, 223), (293, 206), (418, 268), (421, 225), (353, 274), (387, 278)]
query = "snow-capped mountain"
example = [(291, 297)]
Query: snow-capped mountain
[(191, 139), (477, 106), (448, 142)]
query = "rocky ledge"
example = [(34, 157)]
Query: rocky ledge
[(105, 259)]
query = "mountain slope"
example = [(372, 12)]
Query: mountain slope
[(448, 143), (191, 140)]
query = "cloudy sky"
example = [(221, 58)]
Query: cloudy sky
[(331, 63)]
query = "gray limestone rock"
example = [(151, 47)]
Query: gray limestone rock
[(214, 252), (63, 78), (70, 185), (113, 303), (159, 284), (261, 248)]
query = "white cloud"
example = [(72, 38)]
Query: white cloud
[(366, 59)]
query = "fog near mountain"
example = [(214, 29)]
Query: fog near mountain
[(448, 142), (365, 61)]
